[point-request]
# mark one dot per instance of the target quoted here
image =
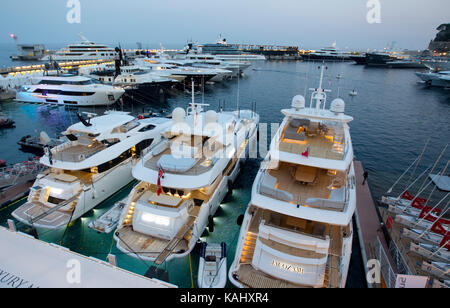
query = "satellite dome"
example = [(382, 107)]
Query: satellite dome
[(211, 116), (298, 102), (44, 138), (338, 105), (178, 115)]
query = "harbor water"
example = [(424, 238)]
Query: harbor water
[(393, 119)]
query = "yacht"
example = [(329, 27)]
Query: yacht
[(237, 67), (84, 51), (297, 229), (177, 72), (227, 52), (439, 79), (183, 181), (439, 64), (68, 90), (329, 54), (92, 165), (143, 83)]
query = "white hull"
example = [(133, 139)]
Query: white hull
[(92, 195)]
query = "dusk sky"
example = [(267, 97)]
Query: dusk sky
[(309, 24)]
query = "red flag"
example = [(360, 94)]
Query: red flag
[(439, 229), (160, 176), (446, 242), (406, 195), (306, 153), (390, 222)]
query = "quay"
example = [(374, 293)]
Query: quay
[(31, 263), (372, 239)]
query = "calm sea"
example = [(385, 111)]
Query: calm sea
[(393, 119)]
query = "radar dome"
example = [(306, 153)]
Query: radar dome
[(44, 138), (298, 102), (178, 115), (211, 116), (338, 105)]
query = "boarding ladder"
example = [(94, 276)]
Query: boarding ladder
[(176, 240)]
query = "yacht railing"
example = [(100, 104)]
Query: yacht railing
[(61, 153), (284, 196)]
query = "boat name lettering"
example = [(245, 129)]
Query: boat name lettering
[(288, 267)]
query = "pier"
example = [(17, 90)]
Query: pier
[(31, 263), (370, 232)]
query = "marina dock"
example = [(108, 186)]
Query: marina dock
[(54, 266), (369, 227)]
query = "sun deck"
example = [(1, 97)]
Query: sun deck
[(305, 186), (77, 153), (321, 141), (189, 155)]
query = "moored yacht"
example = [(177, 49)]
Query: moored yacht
[(90, 167), (439, 79), (297, 229), (68, 90), (84, 51), (183, 181)]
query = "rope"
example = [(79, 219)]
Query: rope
[(190, 268)]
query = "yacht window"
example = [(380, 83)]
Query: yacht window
[(147, 128)]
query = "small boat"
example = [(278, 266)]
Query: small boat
[(212, 270), (353, 93), (2, 163), (6, 122), (36, 145), (108, 221), (7, 94), (339, 76)]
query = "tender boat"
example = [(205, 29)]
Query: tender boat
[(69, 90), (93, 164), (108, 221), (183, 180), (297, 230), (6, 122), (212, 268), (37, 144), (353, 93)]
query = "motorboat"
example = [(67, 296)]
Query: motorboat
[(212, 268), (183, 181), (92, 165), (68, 90), (439, 79), (37, 144), (297, 230)]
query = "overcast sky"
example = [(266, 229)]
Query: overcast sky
[(310, 24)]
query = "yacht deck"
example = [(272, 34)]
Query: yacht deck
[(320, 142), (77, 153), (302, 183)]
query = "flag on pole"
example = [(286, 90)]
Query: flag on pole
[(306, 153), (160, 176)]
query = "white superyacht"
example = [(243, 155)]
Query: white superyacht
[(93, 164), (69, 90), (183, 181), (297, 229)]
